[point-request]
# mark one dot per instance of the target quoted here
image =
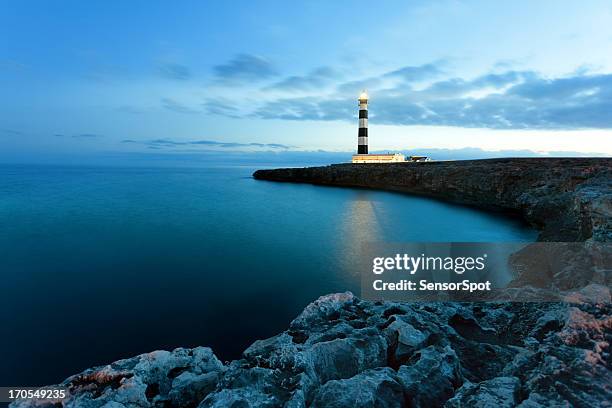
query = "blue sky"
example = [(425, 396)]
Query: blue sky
[(84, 78)]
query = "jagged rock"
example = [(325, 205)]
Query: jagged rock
[(180, 378), (431, 377), (246, 387), (188, 388), (593, 293), (405, 338), (343, 350), (372, 388), (500, 392), (344, 358)]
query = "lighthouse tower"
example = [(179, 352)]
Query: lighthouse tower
[(362, 155), (362, 138)]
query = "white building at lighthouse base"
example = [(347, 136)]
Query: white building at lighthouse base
[(378, 158)]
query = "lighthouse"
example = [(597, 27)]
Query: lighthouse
[(362, 137), (362, 155)]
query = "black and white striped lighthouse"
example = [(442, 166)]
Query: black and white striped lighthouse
[(362, 138)]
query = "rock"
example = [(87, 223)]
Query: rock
[(344, 358), (345, 351), (113, 404), (246, 387), (188, 388), (322, 310), (181, 378), (536, 400), (592, 293), (501, 392), (371, 388), (405, 338), (431, 377)]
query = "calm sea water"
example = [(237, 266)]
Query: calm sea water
[(99, 264)]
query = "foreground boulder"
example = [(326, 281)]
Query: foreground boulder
[(342, 351), (501, 392), (160, 378)]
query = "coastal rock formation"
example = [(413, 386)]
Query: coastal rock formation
[(568, 199), (345, 352)]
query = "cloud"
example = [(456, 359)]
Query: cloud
[(458, 87), (175, 71), (130, 109), (220, 106), (244, 68), (170, 143), (11, 132), (501, 100), (416, 73), (175, 106), (291, 109), (83, 136), (86, 136), (405, 75), (316, 78)]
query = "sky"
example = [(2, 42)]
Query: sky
[(79, 79)]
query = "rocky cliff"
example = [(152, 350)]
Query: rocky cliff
[(568, 199), (345, 352)]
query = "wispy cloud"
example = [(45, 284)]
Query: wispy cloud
[(86, 136), (130, 109), (499, 100), (244, 67), (80, 135), (175, 71), (410, 74), (175, 106), (11, 132), (220, 106), (400, 77), (316, 78), (172, 143)]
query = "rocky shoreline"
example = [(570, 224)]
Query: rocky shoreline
[(342, 351), (345, 352)]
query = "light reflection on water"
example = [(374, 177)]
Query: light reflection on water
[(360, 225)]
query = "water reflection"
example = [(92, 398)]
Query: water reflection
[(360, 225)]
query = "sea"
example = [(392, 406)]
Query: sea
[(103, 263)]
